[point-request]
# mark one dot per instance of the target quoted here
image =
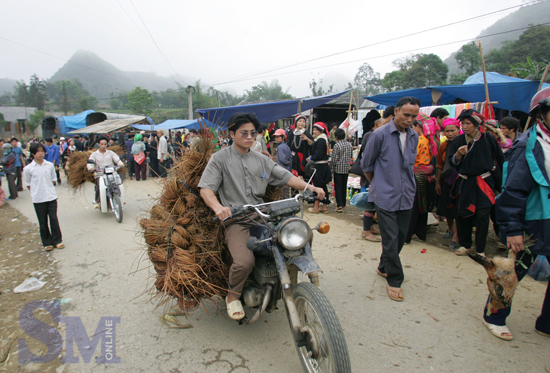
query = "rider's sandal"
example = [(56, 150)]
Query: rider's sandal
[(48, 248), (499, 331), (235, 309), (60, 246)]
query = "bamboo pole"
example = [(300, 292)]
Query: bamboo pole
[(540, 86), (487, 100)]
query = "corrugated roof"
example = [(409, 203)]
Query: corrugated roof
[(108, 126)]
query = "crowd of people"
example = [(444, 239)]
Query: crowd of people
[(467, 171)]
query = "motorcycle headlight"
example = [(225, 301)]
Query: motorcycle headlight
[(294, 234)]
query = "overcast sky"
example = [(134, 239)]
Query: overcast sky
[(221, 41)]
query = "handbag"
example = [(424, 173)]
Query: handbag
[(356, 168), (139, 158)]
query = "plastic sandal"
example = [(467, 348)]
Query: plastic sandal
[(60, 246), (234, 308), (499, 331)]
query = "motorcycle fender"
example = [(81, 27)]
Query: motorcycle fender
[(305, 262), (104, 203)]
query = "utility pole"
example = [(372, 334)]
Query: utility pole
[(190, 100)]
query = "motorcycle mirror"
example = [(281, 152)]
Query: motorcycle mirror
[(253, 243), (323, 227)]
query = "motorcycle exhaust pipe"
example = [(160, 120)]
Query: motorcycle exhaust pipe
[(265, 302)]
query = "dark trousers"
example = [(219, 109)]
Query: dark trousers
[(393, 229), (141, 170), (12, 187), (57, 174), (418, 223), (18, 175), (465, 226), (131, 166), (154, 167), (163, 168), (498, 317), (50, 235), (97, 190), (341, 188)]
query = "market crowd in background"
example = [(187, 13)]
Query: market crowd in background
[(413, 167)]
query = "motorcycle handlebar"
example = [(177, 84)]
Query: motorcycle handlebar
[(308, 196)]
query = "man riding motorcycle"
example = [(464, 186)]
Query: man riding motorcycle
[(102, 158), (241, 176)]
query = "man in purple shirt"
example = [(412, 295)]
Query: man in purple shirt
[(388, 162)]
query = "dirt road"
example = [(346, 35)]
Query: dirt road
[(103, 274)]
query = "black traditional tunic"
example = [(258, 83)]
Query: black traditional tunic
[(319, 155), (479, 172), (300, 151)]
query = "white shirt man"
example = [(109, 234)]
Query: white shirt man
[(40, 179), (162, 153)]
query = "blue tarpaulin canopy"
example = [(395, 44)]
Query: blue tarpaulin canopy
[(73, 122), (511, 93), (172, 124), (266, 112)]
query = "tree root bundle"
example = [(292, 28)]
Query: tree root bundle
[(186, 247), (77, 170)]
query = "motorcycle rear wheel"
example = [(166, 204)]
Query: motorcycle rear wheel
[(117, 207), (326, 349)]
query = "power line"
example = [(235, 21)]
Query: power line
[(156, 45), (373, 44), (382, 56), (131, 19)]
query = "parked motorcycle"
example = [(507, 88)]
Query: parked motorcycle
[(111, 190), (282, 244)]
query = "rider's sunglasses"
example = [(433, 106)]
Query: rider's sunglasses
[(245, 134)]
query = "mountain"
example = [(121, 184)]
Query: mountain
[(534, 14), (101, 78)]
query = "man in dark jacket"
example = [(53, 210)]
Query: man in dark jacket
[(129, 157), (8, 161), (523, 210)]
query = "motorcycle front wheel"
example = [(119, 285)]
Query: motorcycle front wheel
[(117, 207), (326, 349)]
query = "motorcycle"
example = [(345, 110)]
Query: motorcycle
[(111, 190), (281, 242)]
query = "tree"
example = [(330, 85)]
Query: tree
[(6, 99), (87, 103), (266, 92), (533, 43), (37, 95), (67, 94), (140, 101), (531, 70), (457, 79), (115, 104), (36, 120), (21, 92), (318, 90), (367, 81), (469, 59), (394, 81), (2, 121), (419, 70)]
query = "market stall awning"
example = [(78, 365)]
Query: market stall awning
[(266, 112), (174, 124), (107, 126), (510, 93)]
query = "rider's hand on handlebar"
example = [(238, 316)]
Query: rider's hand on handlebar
[(92, 170), (223, 213), (320, 193)]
